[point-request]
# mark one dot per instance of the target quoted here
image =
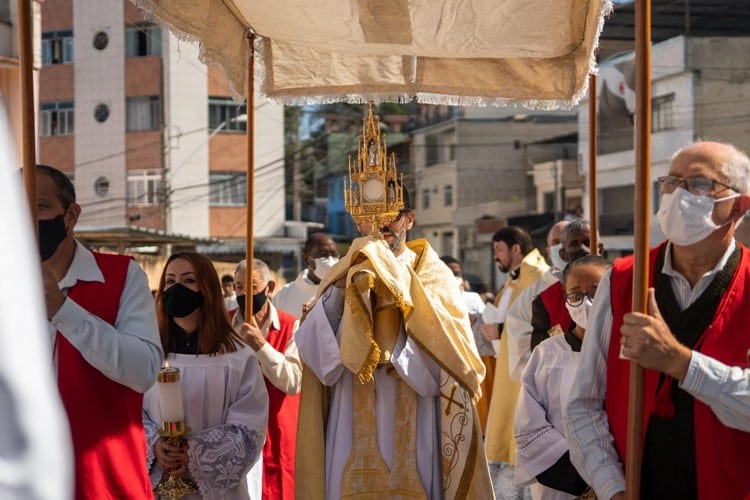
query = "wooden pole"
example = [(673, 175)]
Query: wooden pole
[(641, 242), (593, 201), (250, 188), (26, 56)]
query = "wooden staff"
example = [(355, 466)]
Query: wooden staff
[(593, 201), (641, 243), (250, 187), (26, 56)]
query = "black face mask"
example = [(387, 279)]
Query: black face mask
[(259, 299), (580, 253), (52, 232), (179, 301)]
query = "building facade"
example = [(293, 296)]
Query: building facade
[(474, 173), (149, 134), (10, 84), (700, 90)]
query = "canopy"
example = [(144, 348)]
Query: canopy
[(463, 52)]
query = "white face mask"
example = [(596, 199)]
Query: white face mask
[(685, 218), (580, 313), (554, 256), (460, 282), (323, 266)]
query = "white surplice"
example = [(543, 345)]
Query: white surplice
[(317, 340), (539, 424), (226, 408), (293, 295)]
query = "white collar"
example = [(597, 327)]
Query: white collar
[(83, 267), (272, 320), (408, 256), (304, 282), (670, 271)]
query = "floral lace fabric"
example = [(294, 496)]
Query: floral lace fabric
[(219, 457)]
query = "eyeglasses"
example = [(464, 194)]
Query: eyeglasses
[(699, 186), (575, 299)]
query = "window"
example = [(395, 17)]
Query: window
[(451, 152), (143, 113), (549, 201), (616, 210), (5, 12), (56, 118), (448, 196), (662, 113), (223, 112), (440, 147), (425, 198), (57, 47), (143, 40), (143, 187), (101, 186), (433, 153), (446, 243), (101, 40), (227, 189)]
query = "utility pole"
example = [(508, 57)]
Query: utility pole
[(296, 177)]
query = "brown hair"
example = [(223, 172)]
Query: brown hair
[(215, 333)]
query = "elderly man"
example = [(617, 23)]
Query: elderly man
[(107, 349), (271, 336), (537, 315), (519, 315), (693, 343), (319, 255)]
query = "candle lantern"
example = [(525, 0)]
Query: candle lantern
[(173, 427)]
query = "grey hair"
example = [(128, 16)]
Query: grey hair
[(576, 226), (258, 266), (736, 168)]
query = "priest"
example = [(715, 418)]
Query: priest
[(391, 372)]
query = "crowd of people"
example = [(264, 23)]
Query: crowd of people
[(378, 374)]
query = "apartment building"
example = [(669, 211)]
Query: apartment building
[(10, 84), (149, 134), (700, 90), (475, 172)]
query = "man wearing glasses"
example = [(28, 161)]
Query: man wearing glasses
[(693, 343)]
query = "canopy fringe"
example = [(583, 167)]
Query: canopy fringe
[(204, 56), (261, 82), (451, 100), (604, 11)]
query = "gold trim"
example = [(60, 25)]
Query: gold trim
[(168, 375), (173, 429), (374, 194)]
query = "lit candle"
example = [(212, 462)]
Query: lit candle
[(170, 395)]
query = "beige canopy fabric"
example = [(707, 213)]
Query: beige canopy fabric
[(464, 52)]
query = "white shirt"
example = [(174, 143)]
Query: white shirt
[(226, 407), (475, 306), (292, 295), (283, 370), (539, 427), (129, 352), (725, 389), (35, 434), (230, 303), (518, 323)]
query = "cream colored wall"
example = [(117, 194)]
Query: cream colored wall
[(154, 264)]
